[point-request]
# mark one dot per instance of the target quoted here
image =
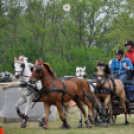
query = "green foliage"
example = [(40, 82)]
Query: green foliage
[(43, 30)]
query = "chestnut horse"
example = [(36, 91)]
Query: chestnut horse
[(56, 92), (108, 88)]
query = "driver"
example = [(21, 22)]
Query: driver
[(120, 65)]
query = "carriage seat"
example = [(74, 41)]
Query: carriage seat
[(129, 90), (129, 75)]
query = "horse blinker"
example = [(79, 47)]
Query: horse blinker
[(13, 65), (22, 65)]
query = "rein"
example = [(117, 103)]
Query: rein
[(25, 76), (104, 90)]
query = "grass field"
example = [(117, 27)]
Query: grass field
[(32, 128)]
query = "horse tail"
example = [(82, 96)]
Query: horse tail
[(92, 98)]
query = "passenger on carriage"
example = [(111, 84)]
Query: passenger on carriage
[(120, 65), (130, 54)]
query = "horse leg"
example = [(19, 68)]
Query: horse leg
[(99, 111), (47, 112), (21, 101), (110, 112), (123, 104), (65, 110), (106, 101), (79, 104), (41, 120), (80, 121), (89, 104), (28, 106), (60, 110), (114, 117)]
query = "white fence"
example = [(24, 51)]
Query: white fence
[(9, 97)]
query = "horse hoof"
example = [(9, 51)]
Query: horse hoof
[(126, 123), (88, 126), (79, 125), (41, 123), (100, 121), (107, 125), (44, 128), (67, 126), (97, 124), (62, 127), (92, 121), (23, 125)]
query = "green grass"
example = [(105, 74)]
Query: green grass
[(32, 127)]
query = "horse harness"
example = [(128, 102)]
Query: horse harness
[(105, 90), (64, 91)]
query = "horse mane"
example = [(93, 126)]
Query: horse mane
[(107, 69), (49, 69)]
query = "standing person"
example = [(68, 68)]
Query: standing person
[(130, 54), (130, 50), (120, 65)]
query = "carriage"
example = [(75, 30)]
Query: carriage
[(116, 97), (129, 90), (116, 105), (117, 108)]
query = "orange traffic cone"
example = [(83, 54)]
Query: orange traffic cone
[(1, 130), (72, 103)]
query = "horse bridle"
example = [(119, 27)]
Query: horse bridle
[(102, 76), (80, 73), (38, 70), (22, 65)]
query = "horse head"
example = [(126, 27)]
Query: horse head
[(41, 70), (21, 66), (80, 72), (102, 71)]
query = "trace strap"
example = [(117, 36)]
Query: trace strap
[(104, 90)]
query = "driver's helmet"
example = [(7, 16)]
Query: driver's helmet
[(119, 51)]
